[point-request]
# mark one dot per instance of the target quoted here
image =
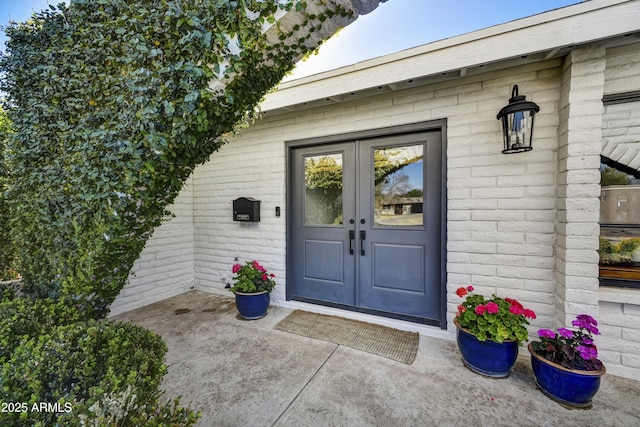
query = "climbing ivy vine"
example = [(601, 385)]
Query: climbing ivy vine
[(114, 102), (7, 257)]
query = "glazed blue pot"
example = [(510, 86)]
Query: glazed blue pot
[(487, 358), (569, 387), (252, 306)]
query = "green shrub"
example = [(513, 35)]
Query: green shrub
[(7, 292), (75, 366), (23, 318), (7, 252), (115, 409), (48, 357)]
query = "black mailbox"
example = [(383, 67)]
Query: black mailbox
[(246, 209)]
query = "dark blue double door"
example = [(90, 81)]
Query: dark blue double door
[(366, 225)]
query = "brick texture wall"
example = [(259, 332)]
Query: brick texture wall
[(523, 226), (579, 146), (501, 209), (165, 267)]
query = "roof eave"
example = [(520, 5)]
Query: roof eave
[(539, 37)]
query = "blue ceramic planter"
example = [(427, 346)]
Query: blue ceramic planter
[(487, 358), (252, 306), (568, 387)]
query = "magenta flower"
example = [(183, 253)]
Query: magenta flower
[(587, 352), (546, 333), (480, 309), (573, 349), (586, 340), (584, 321), (565, 332), (469, 288), (236, 268), (528, 313), (492, 307)]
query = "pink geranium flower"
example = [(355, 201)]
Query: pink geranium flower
[(516, 309), (513, 302), (492, 307), (496, 319), (259, 267), (251, 277)]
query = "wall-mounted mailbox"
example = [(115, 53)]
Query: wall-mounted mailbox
[(246, 209)]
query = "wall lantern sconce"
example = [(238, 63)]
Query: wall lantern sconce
[(517, 123)]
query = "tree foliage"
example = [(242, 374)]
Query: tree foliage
[(114, 103), (611, 176), (7, 256)]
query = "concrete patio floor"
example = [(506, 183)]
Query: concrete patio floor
[(245, 373)]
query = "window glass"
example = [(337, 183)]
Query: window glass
[(619, 224), (398, 181), (323, 189)]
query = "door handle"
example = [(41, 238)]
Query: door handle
[(352, 236), (363, 235)]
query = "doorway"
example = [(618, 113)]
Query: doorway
[(366, 225)]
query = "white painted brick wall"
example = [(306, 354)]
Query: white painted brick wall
[(510, 209), (622, 72), (580, 137), (165, 267), (505, 212), (501, 208)]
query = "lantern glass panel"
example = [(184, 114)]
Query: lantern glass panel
[(517, 131)]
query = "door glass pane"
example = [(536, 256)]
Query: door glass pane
[(323, 189), (398, 176)]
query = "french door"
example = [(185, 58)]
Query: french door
[(366, 225)]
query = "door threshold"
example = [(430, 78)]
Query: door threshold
[(404, 325), (373, 312)]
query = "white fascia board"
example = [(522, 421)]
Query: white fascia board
[(582, 23)]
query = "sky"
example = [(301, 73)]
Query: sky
[(394, 26)]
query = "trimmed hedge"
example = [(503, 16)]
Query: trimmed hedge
[(25, 318), (56, 370)]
